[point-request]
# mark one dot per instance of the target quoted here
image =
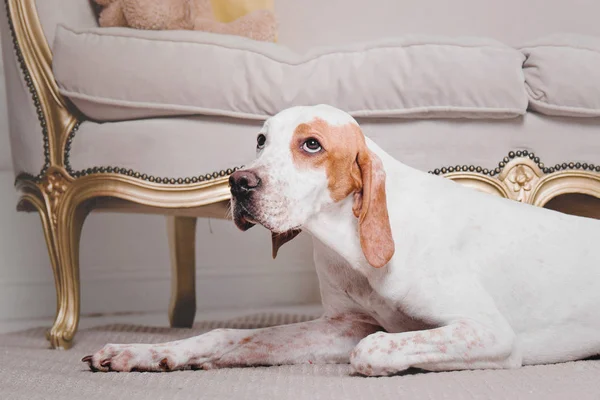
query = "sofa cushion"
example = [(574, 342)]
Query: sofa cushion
[(117, 74), (562, 75), (195, 146)]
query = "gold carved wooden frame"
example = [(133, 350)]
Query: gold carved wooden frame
[(522, 177), (64, 197)]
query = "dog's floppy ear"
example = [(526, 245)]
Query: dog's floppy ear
[(279, 239), (370, 207)]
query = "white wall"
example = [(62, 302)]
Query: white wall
[(124, 260)]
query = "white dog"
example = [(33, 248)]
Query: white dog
[(415, 270)]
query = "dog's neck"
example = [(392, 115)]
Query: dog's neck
[(337, 228)]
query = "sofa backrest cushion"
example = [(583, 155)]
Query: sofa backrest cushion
[(562, 75), (117, 73)]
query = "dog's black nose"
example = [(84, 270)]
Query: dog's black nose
[(243, 182)]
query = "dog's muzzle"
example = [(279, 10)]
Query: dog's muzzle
[(243, 184)]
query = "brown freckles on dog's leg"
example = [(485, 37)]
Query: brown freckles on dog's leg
[(164, 364)]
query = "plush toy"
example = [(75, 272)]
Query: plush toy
[(184, 14)]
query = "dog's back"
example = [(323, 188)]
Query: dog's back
[(541, 267)]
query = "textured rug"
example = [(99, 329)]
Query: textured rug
[(29, 370)]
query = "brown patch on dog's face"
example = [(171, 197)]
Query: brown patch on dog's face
[(339, 149), (351, 168)]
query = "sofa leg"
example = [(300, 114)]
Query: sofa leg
[(66, 245), (62, 221), (182, 241)]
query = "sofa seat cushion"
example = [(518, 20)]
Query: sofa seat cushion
[(196, 146), (117, 74), (562, 75)]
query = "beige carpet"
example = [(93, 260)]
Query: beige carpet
[(29, 370)]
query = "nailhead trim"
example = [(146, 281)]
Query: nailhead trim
[(67, 150), (214, 175), (136, 174), (512, 155)]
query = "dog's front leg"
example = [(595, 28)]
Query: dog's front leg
[(464, 344), (325, 340)]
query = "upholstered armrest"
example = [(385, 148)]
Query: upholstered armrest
[(40, 119)]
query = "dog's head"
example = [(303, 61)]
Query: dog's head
[(309, 159)]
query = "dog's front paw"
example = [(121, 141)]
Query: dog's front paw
[(137, 357), (376, 355), (200, 352)]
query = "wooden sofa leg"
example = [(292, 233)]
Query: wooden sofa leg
[(182, 241), (62, 221)]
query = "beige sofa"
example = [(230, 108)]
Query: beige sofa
[(134, 121)]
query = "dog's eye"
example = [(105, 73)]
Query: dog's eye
[(311, 146), (260, 141)]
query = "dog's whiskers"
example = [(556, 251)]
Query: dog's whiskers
[(229, 213)]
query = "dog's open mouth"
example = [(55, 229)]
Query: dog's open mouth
[(244, 223)]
